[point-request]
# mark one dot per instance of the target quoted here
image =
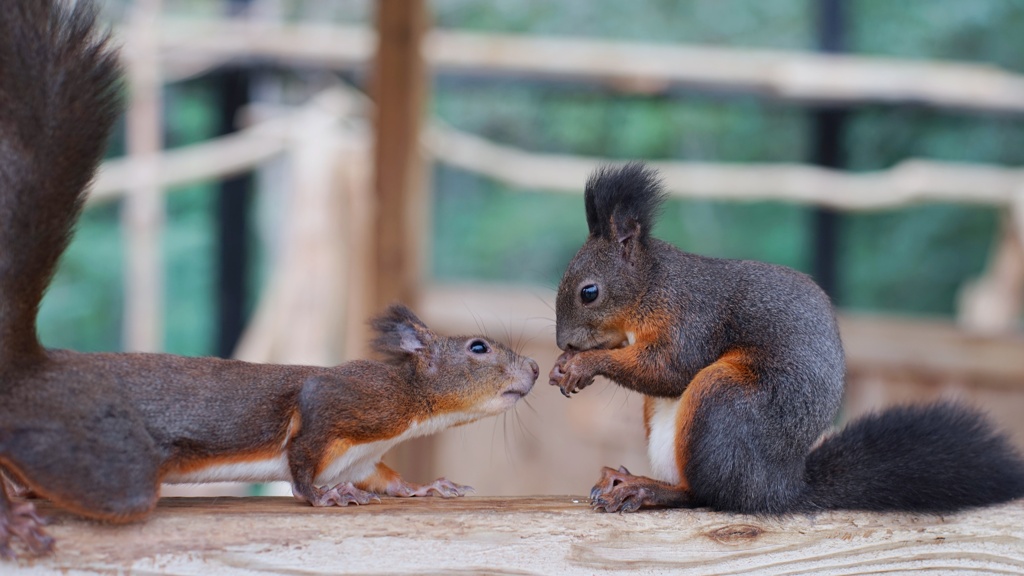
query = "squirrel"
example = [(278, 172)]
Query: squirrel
[(98, 433), (742, 370)]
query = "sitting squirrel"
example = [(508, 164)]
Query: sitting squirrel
[(96, 434), (742, 371)]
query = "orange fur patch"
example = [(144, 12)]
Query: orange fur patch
[(380, 480), (732, 368), (648, 414)]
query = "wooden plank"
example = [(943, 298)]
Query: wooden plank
[(909, 182), (932, 349), (628, 66), (532, 535)]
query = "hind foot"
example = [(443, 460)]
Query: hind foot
[(620, 491), (20, 522), (441, 487), (342, 495)]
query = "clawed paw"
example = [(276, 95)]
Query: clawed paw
[(614, 492), (568, 375), (610, 478), (623, 498), (21, 522), (444, 488), (343, 495)]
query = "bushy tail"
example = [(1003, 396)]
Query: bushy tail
[(58, 100), (933, 458)]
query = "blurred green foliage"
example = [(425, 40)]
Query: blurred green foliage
[(910, 260)]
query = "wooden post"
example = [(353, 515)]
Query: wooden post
[(399, 89), (143, 211), (399, 86)]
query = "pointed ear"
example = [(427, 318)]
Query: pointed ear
[(628, 233), (621, 203), (400, 333)]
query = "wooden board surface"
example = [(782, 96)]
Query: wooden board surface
[(529, 535)]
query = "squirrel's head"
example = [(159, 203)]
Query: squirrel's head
[(603, 284), (472, 376)]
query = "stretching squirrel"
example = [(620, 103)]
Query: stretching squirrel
[(742, 370), (98, 433)]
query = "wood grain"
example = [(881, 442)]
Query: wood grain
[(529, 535)]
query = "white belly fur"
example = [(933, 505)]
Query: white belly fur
[(355, 465), (268, 470), (359, 461), (661, 444)]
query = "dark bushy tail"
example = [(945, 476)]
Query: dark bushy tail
[(58, 100), (934, 458)]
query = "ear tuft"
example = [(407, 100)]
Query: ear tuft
[(621, 202), (400, 333)]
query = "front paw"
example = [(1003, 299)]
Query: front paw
[(570, 374), (20, 522)]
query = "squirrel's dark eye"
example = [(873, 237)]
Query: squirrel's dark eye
[(588, 293), (479, 347)]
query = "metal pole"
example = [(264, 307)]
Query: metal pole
[(233, 204), (829, 128)]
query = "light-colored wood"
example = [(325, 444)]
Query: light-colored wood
[(992, 304), (299, 319), (215, 158), (143, 211), (231, 154), (932, 349), (628, 66), (909, 182), (533, 535)]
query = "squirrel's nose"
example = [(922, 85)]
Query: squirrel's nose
[(535, 367)]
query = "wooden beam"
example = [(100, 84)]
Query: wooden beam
[(909, 182), (531, 535), (192, 44), (399, 85), (226, 155), (913, 181)]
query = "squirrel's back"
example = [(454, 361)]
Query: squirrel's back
[(58, 101), (754, 305)]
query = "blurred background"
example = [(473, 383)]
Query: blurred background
[(286, 168)]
